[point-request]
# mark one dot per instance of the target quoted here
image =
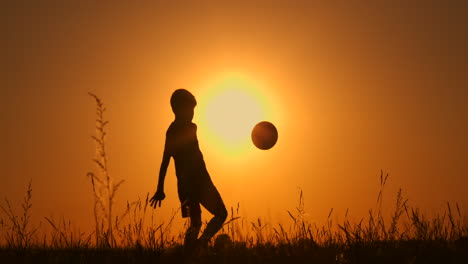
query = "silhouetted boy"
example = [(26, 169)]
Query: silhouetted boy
[(194, 184)]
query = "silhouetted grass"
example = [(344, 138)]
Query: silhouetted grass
[(104, 187), (18, 231), (406, 236)]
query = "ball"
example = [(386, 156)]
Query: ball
[(264, 135)]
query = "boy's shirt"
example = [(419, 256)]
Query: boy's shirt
[(182, 145)]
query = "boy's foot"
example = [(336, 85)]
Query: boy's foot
[(190, 248), (202, 247), (195, 248), (198, 248)]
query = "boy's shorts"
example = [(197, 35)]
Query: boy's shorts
[(209, 198)]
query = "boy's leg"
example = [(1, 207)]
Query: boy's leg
[(195, 224), (214, 204)]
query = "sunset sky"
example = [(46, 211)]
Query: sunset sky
[(353, 87)]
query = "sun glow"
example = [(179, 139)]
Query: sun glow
[(227, 113)]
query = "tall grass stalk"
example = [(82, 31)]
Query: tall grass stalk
[(104, 187)]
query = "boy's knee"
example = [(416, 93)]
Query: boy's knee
[(196, 223), (222, 214)]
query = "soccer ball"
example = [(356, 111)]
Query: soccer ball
[(264, 135)]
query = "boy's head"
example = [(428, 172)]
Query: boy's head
[(183, 103)]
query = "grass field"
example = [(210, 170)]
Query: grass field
[(406, 236)]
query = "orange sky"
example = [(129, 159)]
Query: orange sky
[(353, 89)]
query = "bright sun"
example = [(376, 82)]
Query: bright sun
[(228, 112), (232, 113)]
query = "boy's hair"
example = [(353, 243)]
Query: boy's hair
[(182, 99)]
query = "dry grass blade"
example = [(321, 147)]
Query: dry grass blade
[(104, 188), (20, 233)]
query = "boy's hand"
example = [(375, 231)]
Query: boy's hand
[(157, 198)]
